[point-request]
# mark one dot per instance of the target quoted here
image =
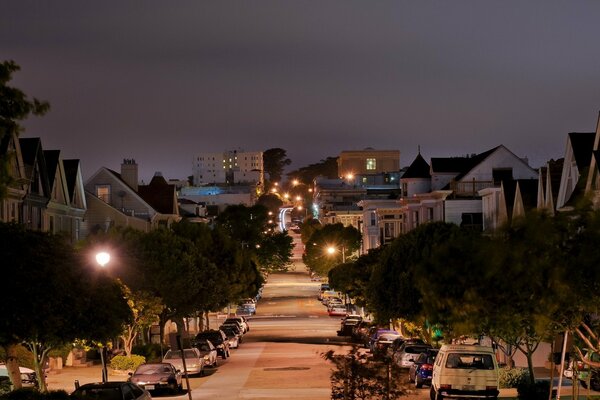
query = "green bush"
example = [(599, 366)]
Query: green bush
[(536, 391), (31, 394), (125, 363), (513, 377), (151, 351)]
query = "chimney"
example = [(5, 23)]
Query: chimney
[(129, 173)]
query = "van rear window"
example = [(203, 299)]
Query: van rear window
[(469, 361)]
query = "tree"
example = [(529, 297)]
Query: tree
[(274, 161), (271, 202), (15, 107), (344, 240), (60, 299), (353, 277), (327, 168), (274, 253), (145, 309)]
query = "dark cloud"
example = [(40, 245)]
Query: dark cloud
[(159, 82)]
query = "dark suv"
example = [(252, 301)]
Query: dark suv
[(218, 339)]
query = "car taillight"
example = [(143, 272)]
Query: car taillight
[(491, 387), (427, 367), (445, 387)]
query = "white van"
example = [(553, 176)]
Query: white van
[(465, 371)]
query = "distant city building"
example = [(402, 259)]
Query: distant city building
[(196, 200), (230, 167), (368, 162)]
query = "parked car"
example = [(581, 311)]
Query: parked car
[(111, 391), (382, 343), (28, 376), (422, 369), (249, 305), (375, 332), (208, 352), (243, 321), (338, 310), (401, 341), (218, 339), (233, 336), (584, 372), (407, 353), (360, 333), (465, 371), (347, 326), (158, 376), (234, 324), (194, 362)]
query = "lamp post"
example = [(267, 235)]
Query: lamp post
[(103, 258), (332, 250)]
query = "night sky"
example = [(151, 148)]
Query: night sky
[(159, 81)]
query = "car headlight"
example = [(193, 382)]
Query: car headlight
[(206, 358)]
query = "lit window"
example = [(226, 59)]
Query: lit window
[(103, 193), (371, 164)]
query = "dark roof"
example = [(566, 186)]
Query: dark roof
[(52, 157), (159, 194), (71, 167), (556, 167), (418, 169), (459, 165), (529, 192), (29, 149), (582, 144)]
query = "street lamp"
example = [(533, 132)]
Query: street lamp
[(103, 258), (333, 250)]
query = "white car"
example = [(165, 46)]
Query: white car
[(28, 376), (194, 362)]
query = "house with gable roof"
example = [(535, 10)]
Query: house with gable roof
[(577, 161), (38, 192), (115, 199), (592, 186), (11, 206), (455, 185)]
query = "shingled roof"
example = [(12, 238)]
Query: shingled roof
[(71, 167), (459, 165), (160, 195)]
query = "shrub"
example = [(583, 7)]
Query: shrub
[(31, 394), (512, 377), (151, 351), (125, 363), (534, 391)]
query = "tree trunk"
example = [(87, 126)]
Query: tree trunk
[(39, 358), (12, 366), (207, 321), (529, 357)]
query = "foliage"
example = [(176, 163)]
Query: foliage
[(274, 161), (357, 376), (270, 201), (48, 274), (308, 227), (31, 394), (127, 363), (353, 278), (344, 239), (393, 292), (15, 107), (151, 351), (24, 356), (533, 391), (327, 168), (145, 309), (513, 377), (275, 252)]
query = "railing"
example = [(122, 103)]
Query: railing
[(469, 188)]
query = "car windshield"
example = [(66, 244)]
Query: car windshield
[(176, 354), (469, 361), (99, 393), (415, 349), (151, 369), (204, 347)]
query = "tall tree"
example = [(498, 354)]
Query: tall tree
[(15, 107), (60, 297), (274, 161), (343, 241), (327, 168)]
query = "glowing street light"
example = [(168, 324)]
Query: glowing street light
[(298, 198), (332, 250), (295, 182), (102, 258)]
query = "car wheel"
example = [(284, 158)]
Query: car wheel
[(418, 384)]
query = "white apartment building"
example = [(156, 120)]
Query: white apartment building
[(230, 167)]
